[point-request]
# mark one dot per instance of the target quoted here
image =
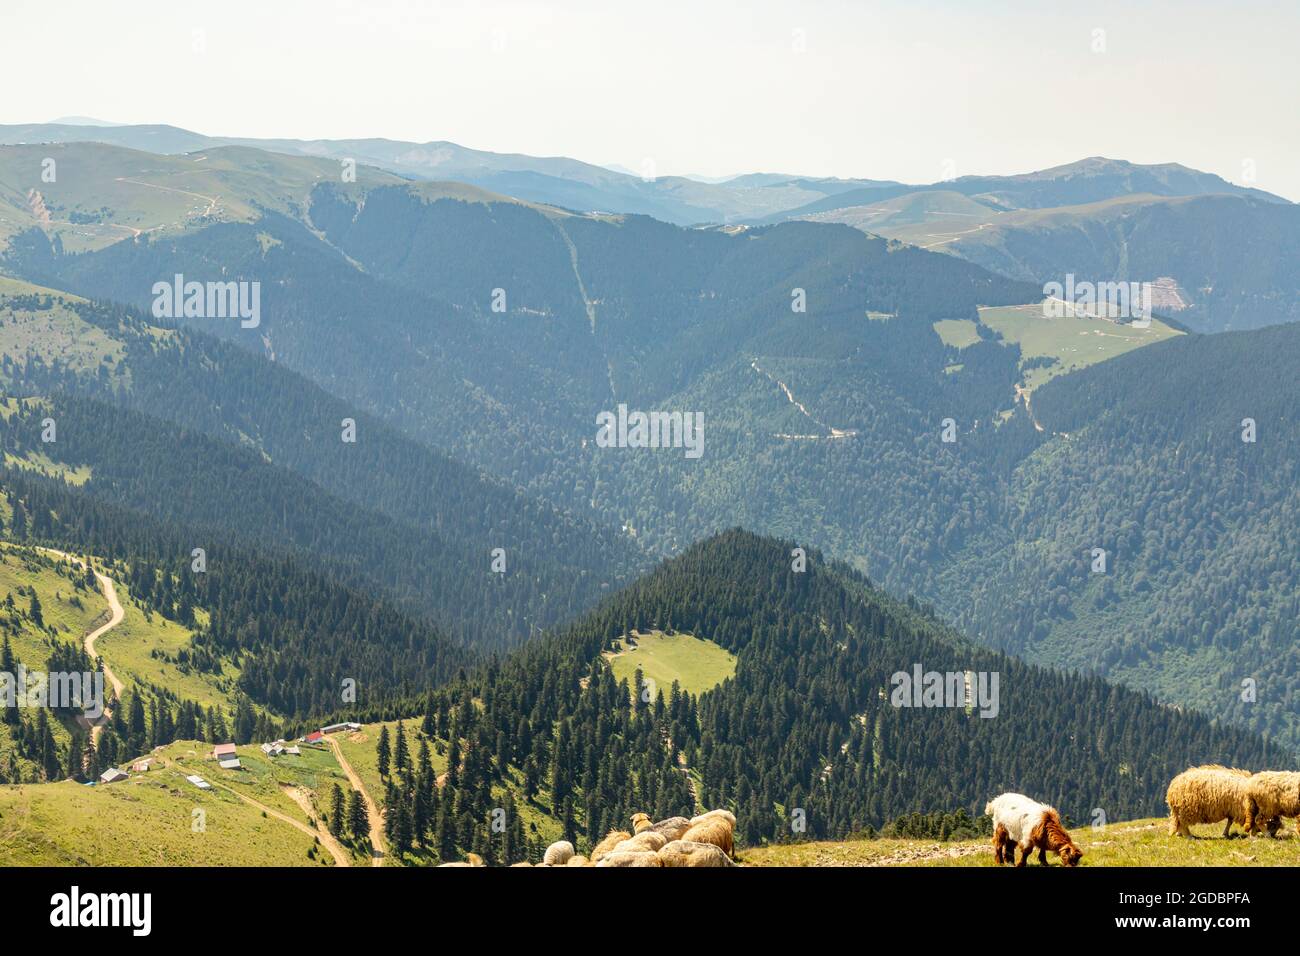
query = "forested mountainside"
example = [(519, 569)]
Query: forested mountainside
[(1199, 526), (826, 425), (246, 447), (275, 640), (807, 723)]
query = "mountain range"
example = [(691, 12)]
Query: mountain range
[(395, 473)]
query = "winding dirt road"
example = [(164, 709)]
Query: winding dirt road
[(377, 847), (115, 618)]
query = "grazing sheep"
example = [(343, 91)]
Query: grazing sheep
[(713, 815), (578, 861), (1273, 794), (558, 853), (716, 831), (672, 828), (1029, 824), (630, 858), (612, 839), (682, 853), (645, 840), (1004, 848), (1208, 794), (524, 863), (471, 859), (640, 821)]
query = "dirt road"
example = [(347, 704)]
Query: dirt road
[(372, 811), (116, 614)]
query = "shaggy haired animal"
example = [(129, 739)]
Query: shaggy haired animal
[(631, 858), (1004, 848), (578, 861), (645, 840), (672, 828), (715, 830), (1209, 794), (612, 839), (679, 853), (1273, 794), (558, 853), (715, 814), (1029, 825), (641, 821)]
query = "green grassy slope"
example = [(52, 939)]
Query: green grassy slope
[(696, 664)]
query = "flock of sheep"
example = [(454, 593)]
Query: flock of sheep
[(1208, 794), (701, 841), (1212, 793)]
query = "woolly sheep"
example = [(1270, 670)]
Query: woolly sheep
[(631, 858), (1274, 794), (558, 853), (716, 831), (672, 828), (1029, 825), (713, 815), (683, 854), (640, 821), (612, 839), (578, 861), (1208, 794), (645, 840)]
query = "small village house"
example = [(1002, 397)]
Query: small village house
[(227, 759)]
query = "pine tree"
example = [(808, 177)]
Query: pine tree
[(336, 812), (358, 818), (382, 752)]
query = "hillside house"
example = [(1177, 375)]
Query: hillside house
[(227, 759), (199, 782), (316, 737), (142, 765), (113, 775)]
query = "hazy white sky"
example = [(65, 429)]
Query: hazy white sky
[(898, 89)]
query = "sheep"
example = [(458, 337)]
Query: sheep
[(558, 853), (631, 858), (640, 821), (1273, 794), (716, 831), (578, 860), (1027, 824), (680, 853), (645, 840), (1208, 794), (713, 814), (612, 839), (1004, 848), (471, 859), (672, 828)]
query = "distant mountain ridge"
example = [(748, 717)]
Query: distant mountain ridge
[(574, 184)]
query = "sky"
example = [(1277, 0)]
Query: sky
[(914, 90)]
